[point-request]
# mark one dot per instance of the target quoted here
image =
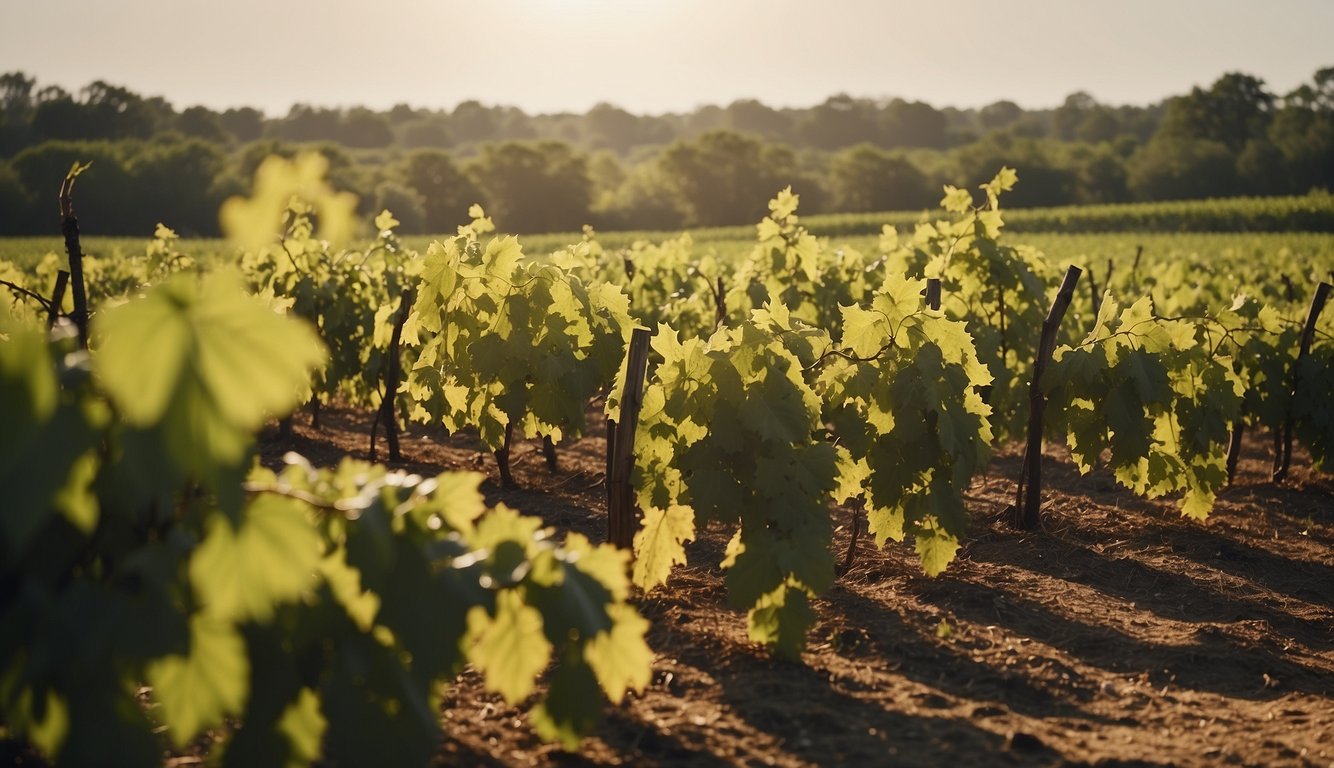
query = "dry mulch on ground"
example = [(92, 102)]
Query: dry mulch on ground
[(1120, 634)]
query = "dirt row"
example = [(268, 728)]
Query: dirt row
[(1120, 634)]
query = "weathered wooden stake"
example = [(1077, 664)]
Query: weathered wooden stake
[(393, 374), (1234, 448), (622, 516), (69, 227), (933, 292), (720, 305), (1028, 495), (549, 453), (57, 299), (503, 459), (1283, 458)]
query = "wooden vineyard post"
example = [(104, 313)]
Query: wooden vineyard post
[(933, 292), (1283, 453), (1234, 447), (393, 374), (622, 517), (503, 459), (69, 228), (57, 299), (720, 305), (549, 453), (1027, 497)]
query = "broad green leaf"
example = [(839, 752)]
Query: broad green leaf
[(303, 724), (956, 200), (572, 706), (204, 363), (197, 691), (937, 550), (620, 657), (780, 621), (659, 544), (271, 557), (509, 649)]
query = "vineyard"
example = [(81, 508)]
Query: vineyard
[(929, 489)]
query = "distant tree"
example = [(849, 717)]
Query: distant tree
[(1303, 133), (364, 129), (472, 121), (307, 123), (424, 132), (173, 183), (16, 95), (534, 186), (107, 203), (841, 121), (406, 205), (606, 171), (343, 173), (244, 124), (999, 114), (17, 202), (750, 116), (402, 113), (610, 127), (704, 119), (16, 107), (1169, 168), (444, 189), (867, 178), (113, 112), (1067, 118), (1044, 179), (1099, 124), (57, 115), (1235, 109), (912, 124), (643, 200), (726, 178), (1100, 175), (1260, 166), (203, 123)]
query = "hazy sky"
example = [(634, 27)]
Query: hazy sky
[(659, 55)]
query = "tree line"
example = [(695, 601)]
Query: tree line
[(618, 170)]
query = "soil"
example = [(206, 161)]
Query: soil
[(1119, 634)]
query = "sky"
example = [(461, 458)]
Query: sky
[(655, 56)]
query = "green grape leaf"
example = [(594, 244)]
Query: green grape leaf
[(937, 550), (244, 571), (571, 708), (45, 462), (781, 619), (509, 649), (303, 724), (205, 364), (198, 690), (619, 656), (659, 544)]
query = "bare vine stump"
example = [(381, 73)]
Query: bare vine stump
[(503, 459), (1283, 451), (549, 453), (1027, 500), (622, 516), (57, 299)]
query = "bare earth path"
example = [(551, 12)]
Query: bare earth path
[(1121, 634)]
